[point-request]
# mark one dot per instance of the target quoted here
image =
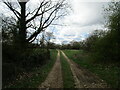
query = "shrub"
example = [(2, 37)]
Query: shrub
[(15, 62)]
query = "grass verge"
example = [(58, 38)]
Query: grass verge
[(108, 72), (68, 81), (37, 76)]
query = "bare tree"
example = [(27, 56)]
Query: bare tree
[(49, 36), (46, 39), (47, 12)]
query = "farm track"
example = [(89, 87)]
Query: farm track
[(83, 78)]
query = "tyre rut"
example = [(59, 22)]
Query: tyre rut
[(54, 78), (84, 78)]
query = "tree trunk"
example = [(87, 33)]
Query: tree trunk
[(22, 26)]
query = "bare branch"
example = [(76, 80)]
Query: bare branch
[(17, 14), (35, 34), (31, 12), (53, 12), (37, 12), (33, 39), (50, 22)]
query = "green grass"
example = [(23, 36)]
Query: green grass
[(68, 81), (108, 72), (38, 74)]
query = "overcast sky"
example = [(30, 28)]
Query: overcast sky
[(84, 18)]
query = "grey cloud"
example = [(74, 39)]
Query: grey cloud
[(97, 17)]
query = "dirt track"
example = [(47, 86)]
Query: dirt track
[(54, 78), (84, 78)]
